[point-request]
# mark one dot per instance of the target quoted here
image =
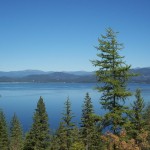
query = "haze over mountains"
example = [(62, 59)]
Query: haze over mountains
[(50, 76), (65, 76)]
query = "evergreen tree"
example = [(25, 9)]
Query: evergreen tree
[(16, 134), (89, 132), (60, 138), (67, 133), (114, 74), (146, 117), (138, 131), (78, 145), (38, 137), (137, 115), (4, 142), (54, 145), (87, 121), (68, 124)]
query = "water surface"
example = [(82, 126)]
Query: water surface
[(21, 98)]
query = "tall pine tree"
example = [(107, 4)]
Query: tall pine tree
[(137, 121), (67, 134), (87, 124), (113, 74), (59, 140), (4, 142), (68, 124), (38, 137), (16, 134), (89, 130)]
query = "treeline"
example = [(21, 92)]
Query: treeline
[(120, 128), (89, 134)]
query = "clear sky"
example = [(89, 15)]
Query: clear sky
[(60, 35)]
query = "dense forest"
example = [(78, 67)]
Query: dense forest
[(122, 127)]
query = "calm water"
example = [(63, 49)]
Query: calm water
[(21, 98)]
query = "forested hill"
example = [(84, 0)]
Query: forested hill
[(143, 75), (74, 76), (40, 76)]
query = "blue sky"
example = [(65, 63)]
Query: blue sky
[(60, 35)]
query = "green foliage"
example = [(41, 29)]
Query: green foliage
[(138, 130), (38, 137), (16, 134), (89, 131), (4, 142), (114, 74), (146, 117), (136, 116), (59, 140), (68, 115), (67, 133), (87, 122), (77, 146), (68, 124)]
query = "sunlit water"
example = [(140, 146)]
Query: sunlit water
[(21, 98)]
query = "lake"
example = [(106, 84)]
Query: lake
[(21, 98)]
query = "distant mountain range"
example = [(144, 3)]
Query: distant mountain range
[(50, 76), (65, 76)]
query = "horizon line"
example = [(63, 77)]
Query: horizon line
[(61, 70)]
